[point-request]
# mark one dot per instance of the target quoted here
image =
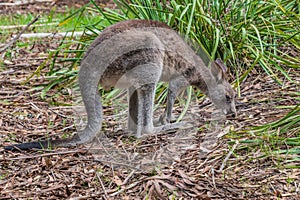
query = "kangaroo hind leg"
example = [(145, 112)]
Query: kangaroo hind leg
[(141, 101)]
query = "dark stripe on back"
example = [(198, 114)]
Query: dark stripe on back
[(122, 27)]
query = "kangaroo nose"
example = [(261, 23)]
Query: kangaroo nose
[(234, 114)]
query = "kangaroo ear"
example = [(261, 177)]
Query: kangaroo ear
[(218, 70)]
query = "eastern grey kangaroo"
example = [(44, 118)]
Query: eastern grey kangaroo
[(137, 54)]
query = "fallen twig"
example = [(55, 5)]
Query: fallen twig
[(102, 185), (45, 154), (54, 35), (13, 41), (227, 157), (24, 3), (22, 26), (126, 188)]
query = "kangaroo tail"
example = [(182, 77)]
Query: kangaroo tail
[(44, 144), (29, 145)]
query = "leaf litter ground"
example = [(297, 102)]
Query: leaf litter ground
[(226, 172)]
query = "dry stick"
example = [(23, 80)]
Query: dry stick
[(93, 196), (116, 163), (223, 164), (128, 177), (22, 26), (24, 3), (13, 41), (227, 157), (44, 155), (127, 188), (55, 35), (102, 185)]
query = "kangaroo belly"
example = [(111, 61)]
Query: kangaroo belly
[(133, 69)]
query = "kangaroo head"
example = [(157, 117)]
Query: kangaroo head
[(223, 95)]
